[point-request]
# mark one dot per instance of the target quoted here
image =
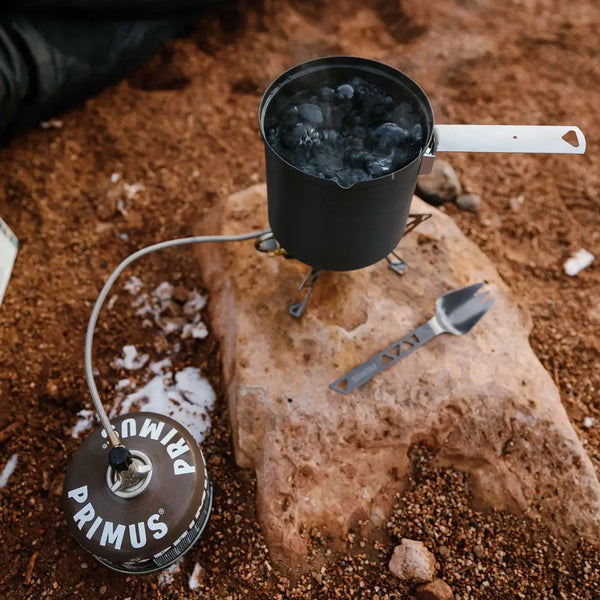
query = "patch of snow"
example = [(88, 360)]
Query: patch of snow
[(115, 177), (197, 331), (163, 291), (196, 577), (124, 383), (84, 422), (145, 308), (588, 422), (134, 285), (172, 325), (166, 576), (579, 261), (132, 189), (158, 367), (196, 302), (122, 207), (9, 469), (51, 124), (188, 400), (195, 388), (110, 304), (131, 360), (123, 236)]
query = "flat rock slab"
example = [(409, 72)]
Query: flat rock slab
[(327, 460)]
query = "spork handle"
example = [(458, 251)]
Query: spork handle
[(384, 359)]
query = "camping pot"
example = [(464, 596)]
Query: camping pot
[(336, 228)]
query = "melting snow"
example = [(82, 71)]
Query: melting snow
[(85, 421), (158, 367), (134, 285), (196, 330), (196, 576), (131, 361), (123, 384), (132, 189), (196, 302), (163, 291), (579, 261), (184, 395), (188, 400), (8, 470), (166, 576)]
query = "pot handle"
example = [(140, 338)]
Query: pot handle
[(546, 139)]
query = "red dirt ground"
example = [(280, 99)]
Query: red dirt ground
[(185, 126)]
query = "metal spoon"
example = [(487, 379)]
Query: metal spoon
[(456, 312)]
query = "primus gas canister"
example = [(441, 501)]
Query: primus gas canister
[(138, 510)]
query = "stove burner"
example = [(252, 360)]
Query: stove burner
[(267, 244)]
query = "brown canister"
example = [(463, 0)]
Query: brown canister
[(150, 526)]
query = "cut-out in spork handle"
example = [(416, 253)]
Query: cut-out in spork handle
[(384, 359)]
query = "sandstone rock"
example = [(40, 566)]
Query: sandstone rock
[(438, 589), (412, 562), (327, 460), (470, 202), (441, 185)]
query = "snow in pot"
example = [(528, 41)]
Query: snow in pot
[(350, 132)]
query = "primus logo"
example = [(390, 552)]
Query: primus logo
[(111, 534), (153, 430)]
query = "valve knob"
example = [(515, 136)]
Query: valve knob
[(119, 458)]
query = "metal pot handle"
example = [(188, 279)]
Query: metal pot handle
[(545, 139)]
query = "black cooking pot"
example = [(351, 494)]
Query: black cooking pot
[(328, 226)]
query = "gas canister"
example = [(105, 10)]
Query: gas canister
[(147, 520)]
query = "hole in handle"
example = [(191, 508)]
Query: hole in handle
[(340, 386), (571, 138)]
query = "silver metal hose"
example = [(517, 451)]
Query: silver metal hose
[(89, 336)]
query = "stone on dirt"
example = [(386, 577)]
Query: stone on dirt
[(441, 185), (438, 589), (469, 202), (412, 562), (327, 460), (515, 204)]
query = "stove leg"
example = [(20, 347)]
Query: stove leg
[(396, 264), (296, 310)]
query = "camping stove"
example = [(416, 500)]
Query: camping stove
[(345, 139), (267, 244)]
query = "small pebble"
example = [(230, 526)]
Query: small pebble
[(412, 562), (588, 422), (516, 203), (441, 185), (470, 202), (438, 589)]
